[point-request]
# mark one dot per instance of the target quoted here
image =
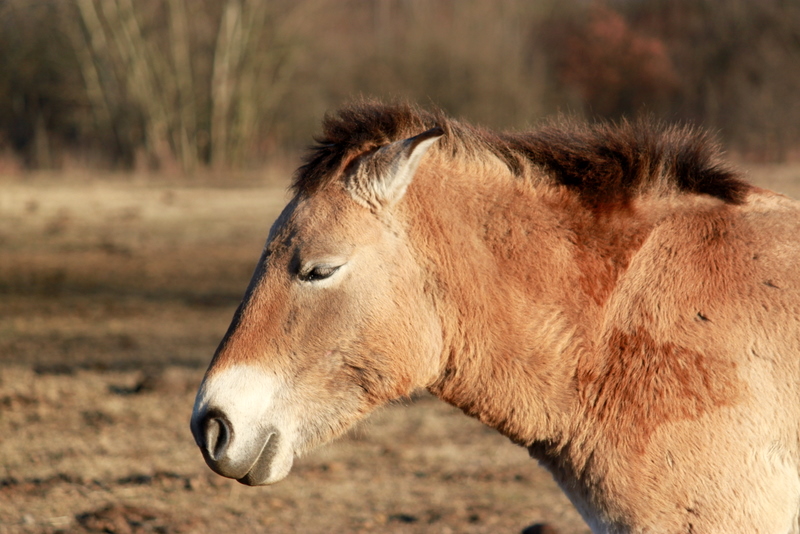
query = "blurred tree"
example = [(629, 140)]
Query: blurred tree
[(615, 70), (39, 97), (471, 57), (146, 56), (226, 83), (739, 65), (254, 60)]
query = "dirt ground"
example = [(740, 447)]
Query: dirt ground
[(114, 292)]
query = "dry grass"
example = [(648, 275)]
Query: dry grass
[(113, 296), (95, 449)]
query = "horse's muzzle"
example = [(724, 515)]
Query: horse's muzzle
[(250, 463)]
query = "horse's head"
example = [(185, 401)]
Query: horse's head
[(335, 322)]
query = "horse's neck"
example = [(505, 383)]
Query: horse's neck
[(521, 278)]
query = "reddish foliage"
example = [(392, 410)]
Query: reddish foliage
[(615, 70)]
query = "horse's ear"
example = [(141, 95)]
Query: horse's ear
[(383, 176)]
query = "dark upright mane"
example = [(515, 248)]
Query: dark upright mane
[(356, 129), (608, 163), (604, 163)]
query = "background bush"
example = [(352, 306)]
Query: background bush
[(184, 84)]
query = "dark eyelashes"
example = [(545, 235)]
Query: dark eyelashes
[(318, 272)]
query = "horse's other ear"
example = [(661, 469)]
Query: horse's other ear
[(390, 169)]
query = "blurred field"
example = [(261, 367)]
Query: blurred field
[(113, 295)]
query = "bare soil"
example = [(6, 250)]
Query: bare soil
[(113, 295)]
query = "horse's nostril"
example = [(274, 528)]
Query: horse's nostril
[(217, 433)]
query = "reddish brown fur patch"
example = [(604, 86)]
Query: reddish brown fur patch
[(643, 384), (602, 260), (604, 245)]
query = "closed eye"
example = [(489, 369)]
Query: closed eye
[(318, 272)]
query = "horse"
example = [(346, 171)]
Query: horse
[(612, 296)]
